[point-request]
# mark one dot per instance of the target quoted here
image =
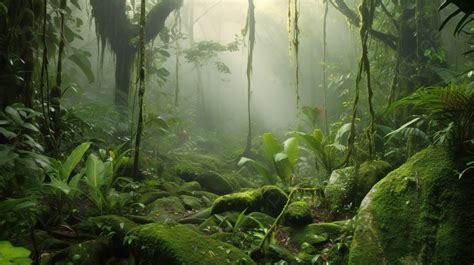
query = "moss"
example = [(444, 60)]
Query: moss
[(149, 197), (178, 244), (93, 252), (348, 187), (267, 199), (314, 234), (298, 214), (418, 213), (165, 209), (191, 202), (207, 197), (191, 186), (209, 180)]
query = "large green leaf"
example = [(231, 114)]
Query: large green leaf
[(60, 185), (95, 172), (14, 115), (283, 166), (311, 142), (292, 150), (84, 64), (74, 183), (73, 159), (271, 145), (10, 255), (259, 167)]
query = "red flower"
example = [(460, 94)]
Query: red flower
[(318, 111)]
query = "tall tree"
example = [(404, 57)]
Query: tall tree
[(250, 31), (17, 41), (141, 87), (115, 30)]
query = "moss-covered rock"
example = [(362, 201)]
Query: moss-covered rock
[(152, 196), (93, 252), (315, 234), (349, 186), (165, 209), (209, 180), (178, 244), (421, 213), (206, 197), (191, 202), (267, 199), (191, 186), (298, 214)]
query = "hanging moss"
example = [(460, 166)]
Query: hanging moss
[(115, 31)]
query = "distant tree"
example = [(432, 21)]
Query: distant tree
[(116, 31)]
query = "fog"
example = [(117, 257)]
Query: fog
[(273, 99)]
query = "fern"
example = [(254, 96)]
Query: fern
[(451, 107)]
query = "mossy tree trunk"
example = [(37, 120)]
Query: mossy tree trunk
[(17, 42), (117, 32)]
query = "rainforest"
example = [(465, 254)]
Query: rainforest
[(325, 132)]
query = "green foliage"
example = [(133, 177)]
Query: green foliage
[(463, 24), (450, 111), (203, 52), (60, 173), (327, 151), (10, 255), (21, 158), (283, 157), (17, 215), (100, 178)]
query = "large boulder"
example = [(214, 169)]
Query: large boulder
[(349, 186), (179, 244), (209, 180), (421, 213), (267, 199)]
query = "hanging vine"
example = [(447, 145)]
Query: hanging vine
[(367, 12), (141, 87), (56, 91), (293, 35), (325, 45), (296, 43), (250, 31), (177, 29)]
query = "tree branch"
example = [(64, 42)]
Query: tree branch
[(354, 19), (157, 16)]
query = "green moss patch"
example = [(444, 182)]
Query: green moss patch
[(349, 186), (268, 199), (178, 244), (420, 213), (298, 214), (209, 180)]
